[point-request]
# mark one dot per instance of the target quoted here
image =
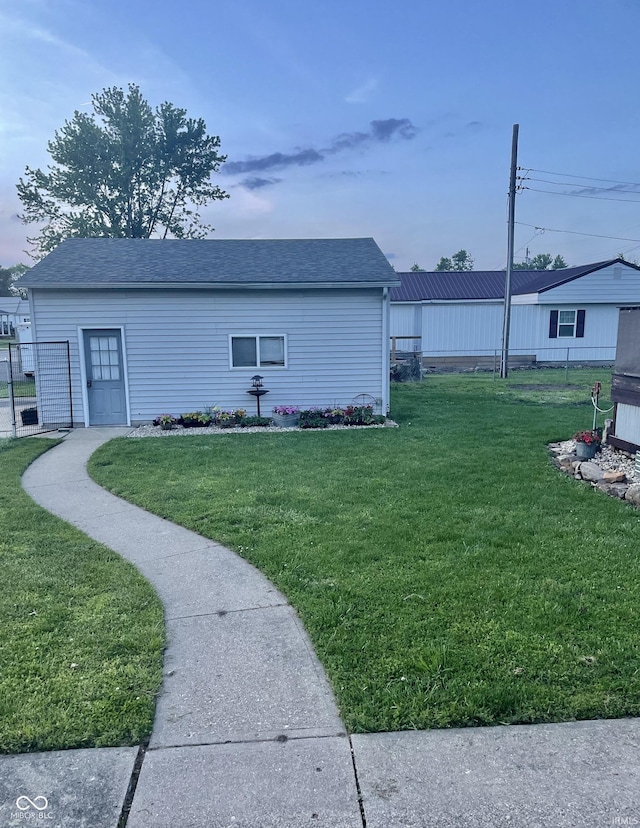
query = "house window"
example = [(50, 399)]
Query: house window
[(566, 324), (258, 351)]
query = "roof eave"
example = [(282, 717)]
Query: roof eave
[(210, 285), (594, 269)]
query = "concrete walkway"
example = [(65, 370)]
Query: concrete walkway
[(247, 732)]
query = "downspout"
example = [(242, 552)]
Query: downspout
[(385, 350)]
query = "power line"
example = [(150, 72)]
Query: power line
[(584, 177), (580, 195), (539, 232), (569, 184), (574, 233)]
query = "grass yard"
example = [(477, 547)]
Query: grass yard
[(21, 388), (81, 632), (446, 572)]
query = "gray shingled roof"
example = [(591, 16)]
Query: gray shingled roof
[(97, 262), (486, 284)]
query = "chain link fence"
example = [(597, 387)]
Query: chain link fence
[(406, 355)]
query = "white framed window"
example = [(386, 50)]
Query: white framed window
[(258, 351), (566, 324)]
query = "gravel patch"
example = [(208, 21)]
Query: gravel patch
[(179, 431), (608, 459)]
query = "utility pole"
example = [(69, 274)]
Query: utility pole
[(506, 321)]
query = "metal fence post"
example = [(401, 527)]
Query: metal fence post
[(12, 402), (70, 386), (566, 368)]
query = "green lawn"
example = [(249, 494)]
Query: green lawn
[(21, 388), (446, 572), (81, 632)]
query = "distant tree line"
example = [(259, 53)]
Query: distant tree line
[(463, 261), (543, 261)]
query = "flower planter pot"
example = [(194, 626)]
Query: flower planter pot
[(29, 416), (166, 426), (285, 420), (586, 451)]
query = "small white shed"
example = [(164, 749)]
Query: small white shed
[(174, 326), (558, 315)]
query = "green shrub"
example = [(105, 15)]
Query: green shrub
[(247, 422)]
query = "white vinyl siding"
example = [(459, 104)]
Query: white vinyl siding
[(177, 344), (458, 329), (475, 328), (594, 287), (628, 423), (406, 326)]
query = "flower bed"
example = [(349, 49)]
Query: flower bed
[(350, 415), (284, 416)]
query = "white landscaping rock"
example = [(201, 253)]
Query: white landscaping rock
[(591, 471), (633, 494)]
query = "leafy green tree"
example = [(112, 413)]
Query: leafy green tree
[(444, 264), (415, 268), (459, 261), (123, 171), (543, 261), (8, 275)]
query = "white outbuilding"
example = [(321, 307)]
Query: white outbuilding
[(557, 315), (172, 326)]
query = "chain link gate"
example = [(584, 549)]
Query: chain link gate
[(38, 389)]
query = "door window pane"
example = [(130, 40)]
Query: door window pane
[(105, 362)]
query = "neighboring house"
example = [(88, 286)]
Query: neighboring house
[(625, 385), (173, 326), (14, 311), (554, 313)]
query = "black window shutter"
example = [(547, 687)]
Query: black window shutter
[(553, 324), (580, 323)]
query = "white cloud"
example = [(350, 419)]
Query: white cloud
[(363, 92)]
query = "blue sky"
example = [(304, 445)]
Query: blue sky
[(354, 118)]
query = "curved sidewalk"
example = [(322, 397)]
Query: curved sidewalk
[(246, 728), (247, 732)]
